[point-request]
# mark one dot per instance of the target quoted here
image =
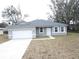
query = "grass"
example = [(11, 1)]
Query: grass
[(63, 47)]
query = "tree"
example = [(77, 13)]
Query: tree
[(59, 9), (12, 14), (65, 11)]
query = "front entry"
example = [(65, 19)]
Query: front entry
[(40, 32)]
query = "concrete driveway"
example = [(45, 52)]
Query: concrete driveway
[(14, 49)]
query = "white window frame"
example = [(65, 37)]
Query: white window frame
[(62, 29), (57, 29)]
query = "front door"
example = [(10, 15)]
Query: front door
[(48, 31)]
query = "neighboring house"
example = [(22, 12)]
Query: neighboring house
[(2, 27), (1, 31), (36, 28), (73, 25), (9, 22)]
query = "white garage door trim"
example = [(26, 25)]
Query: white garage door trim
[(26, 34)]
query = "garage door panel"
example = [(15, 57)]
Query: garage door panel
[(22, 34)]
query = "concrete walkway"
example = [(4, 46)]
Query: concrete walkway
[(14, 49), (45, 38)]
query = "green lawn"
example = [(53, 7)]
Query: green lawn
[(63, 47)]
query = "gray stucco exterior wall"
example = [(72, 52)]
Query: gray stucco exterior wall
[(59, 31)]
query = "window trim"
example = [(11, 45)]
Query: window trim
[(56, 29), (62, 29)]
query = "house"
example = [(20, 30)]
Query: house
[(1, 31), (36, 28), (10, 22), (2, 27)]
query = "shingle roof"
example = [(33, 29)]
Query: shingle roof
[(45, 23), (36, 23)]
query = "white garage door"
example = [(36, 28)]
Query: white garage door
[(22, 34)]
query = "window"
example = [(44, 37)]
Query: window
[(62, 29), (41, 29), (56, 29)]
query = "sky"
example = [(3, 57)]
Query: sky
[(35, 9)]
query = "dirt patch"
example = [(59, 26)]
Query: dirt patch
[(3, 38), (63, 47)]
